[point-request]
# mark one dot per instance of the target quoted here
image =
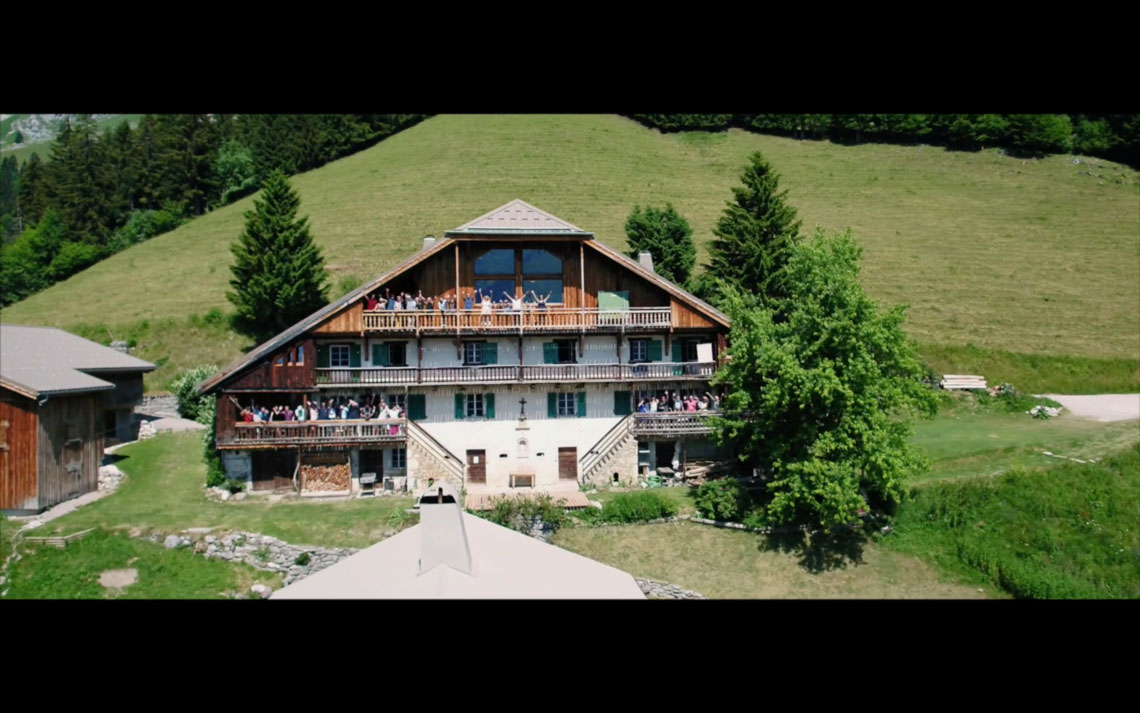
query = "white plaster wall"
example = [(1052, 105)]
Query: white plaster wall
[(499, 436)]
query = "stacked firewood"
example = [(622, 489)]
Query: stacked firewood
[(325, 478)]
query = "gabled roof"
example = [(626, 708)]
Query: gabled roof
[(46, 360), (518, 218), (267, 348)]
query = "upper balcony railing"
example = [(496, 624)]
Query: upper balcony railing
[(658, 371), (530, 319), (316, 432)]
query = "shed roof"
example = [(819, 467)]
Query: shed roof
[(504, 565), (46, 360)]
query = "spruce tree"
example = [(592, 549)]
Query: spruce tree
[(279, 273), (754, 234), (31, 196), (666, 235)]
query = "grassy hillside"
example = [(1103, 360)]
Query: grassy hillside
[(1068, 532), (1005, 254)]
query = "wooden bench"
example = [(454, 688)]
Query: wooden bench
[(962, 381)]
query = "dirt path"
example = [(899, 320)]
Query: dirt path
[(1102, 407)]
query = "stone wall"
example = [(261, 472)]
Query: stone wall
[(258, 551), (664, 590), (623, 461), (422, 465)]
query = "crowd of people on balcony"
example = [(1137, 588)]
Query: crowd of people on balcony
[(673, 401), (373, 407), (484, 302)]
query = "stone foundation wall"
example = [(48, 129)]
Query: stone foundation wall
[(622, 461), (422, 465)]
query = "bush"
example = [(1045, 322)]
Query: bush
[(520, 513), (723, 499), (190, 404), (637, 507), (302, 559), (234, 485), (215, 477)]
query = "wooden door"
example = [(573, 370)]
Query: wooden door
[(567, 463), (273, 470), (476, 466)]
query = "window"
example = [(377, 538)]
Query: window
[(397, 354), (566, 351), (280, 361), (300, 356), (399, 458), (638, 350), (495, 289), (567, 405), (472, 353), (400, 400), (495, 262), (543, 288), (338, 355), (475, 405), (689, 350), (540, 262)]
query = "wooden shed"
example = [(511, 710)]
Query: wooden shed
[(53, 414)]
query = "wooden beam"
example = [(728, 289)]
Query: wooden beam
[(581, 275), (458, 297)]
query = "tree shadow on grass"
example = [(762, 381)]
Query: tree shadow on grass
[(819, 552)]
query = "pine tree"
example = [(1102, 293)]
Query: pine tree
[(279, 274), (754, 234), (666, 235), (31, 197)]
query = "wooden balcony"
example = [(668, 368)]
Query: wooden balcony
[(294, 433), (671, 423), (529, 321), (538, 373)]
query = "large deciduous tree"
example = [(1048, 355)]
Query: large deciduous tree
[(754, 233), (279, 273), (828, 381), (665, 234)]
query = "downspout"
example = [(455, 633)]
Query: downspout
[(296, 470)]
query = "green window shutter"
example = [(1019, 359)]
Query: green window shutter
[(460, 406), (549, 353), (379, 355), (489, 405), (490, 353), (354, 355), (678, 350), (551, 404), (654, 349), (417, 406), (622, 401), (581, 404), (322, 356)]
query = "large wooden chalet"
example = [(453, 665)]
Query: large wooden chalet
[(613, 330)]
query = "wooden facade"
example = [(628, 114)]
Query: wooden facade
[(17, 451), (49, 452)]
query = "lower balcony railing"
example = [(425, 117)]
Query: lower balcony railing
[(664, 371), (671, 423), (316, 432)]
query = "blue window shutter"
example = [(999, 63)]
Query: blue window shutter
[(489, 405), (491, 353), (654, 349), (460, 406), (549, 353), (581, 404), (551, 405)]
